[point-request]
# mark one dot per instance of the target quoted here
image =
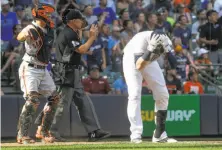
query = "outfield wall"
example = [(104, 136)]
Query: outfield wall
[(188, 115)]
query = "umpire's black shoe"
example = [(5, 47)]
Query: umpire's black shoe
[(98, 135)]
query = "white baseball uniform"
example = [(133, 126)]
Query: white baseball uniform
[(153, 76), (31, 78)]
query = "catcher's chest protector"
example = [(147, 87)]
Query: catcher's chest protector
[(41, 48)]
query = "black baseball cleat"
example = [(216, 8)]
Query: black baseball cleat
[(98, 135)]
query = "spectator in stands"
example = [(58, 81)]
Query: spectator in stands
[(193, 86), (185, 3), (182, 62), (120, 86), (68, 3), (88, 12), (117, 56), (203, 60), (156, 4), (127, 33), (14, 48), (201, 20), (123, 15), (96, 54), (20, 13), (110, 3), (183, 32), (121, 4), (180, 10), (115, 46), (25, 22), (105, 32), (114, 39), (140, 22), (162, 24), (172, 82), (135, 8), (210, 35), (169, 18), (8, 20), (95, 84), (218, 6), (107, 11), (151, 23)]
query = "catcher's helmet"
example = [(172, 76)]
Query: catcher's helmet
[(42, 11), (70, 14)]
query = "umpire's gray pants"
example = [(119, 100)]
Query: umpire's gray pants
[(82, 102), (84, 107)]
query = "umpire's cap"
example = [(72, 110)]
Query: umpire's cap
[(70, 14)]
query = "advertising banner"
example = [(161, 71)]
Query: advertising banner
[(183, 116)]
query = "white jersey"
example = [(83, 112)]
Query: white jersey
[(139, 43)]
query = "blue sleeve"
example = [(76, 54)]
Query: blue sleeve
[(15, 19), (116, 85), (111, 44), (113, 15), (176, 32), (96, 11)]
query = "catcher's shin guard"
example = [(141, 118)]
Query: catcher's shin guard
[(47, 116), (160, 122), (28, 112)]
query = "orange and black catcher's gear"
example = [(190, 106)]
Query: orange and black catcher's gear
[(43, 12)]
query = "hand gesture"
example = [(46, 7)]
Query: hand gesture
[(93, 32), (154, 41)]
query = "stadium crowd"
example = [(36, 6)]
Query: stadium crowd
[(195, 28)]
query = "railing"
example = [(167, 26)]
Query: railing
[(211, 80)]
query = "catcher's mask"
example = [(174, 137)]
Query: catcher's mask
[(70, 14), (43, 12)]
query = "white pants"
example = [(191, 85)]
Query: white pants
[(38, 80), (155, 80)]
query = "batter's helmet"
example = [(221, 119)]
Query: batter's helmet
[(71, 14), (42, 11)]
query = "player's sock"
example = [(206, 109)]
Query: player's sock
[(160, 122)]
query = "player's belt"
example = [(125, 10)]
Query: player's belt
[(36, 66)]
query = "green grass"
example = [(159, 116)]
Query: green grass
[(124, 145)]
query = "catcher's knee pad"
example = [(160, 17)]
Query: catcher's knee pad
[(54, 98), (28, 112), (49, 112)]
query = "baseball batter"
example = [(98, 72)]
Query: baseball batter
[(34, 77), (139, 61)]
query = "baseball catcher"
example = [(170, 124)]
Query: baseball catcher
[(34, 77), (139, 61)]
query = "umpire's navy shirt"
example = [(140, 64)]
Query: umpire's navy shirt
[(67, 42)]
